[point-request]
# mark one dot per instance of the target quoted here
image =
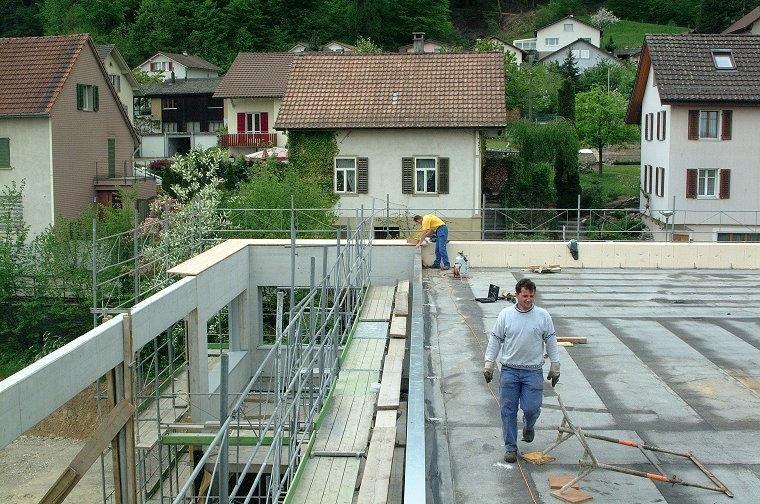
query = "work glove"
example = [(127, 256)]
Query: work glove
[(488, 371), (553, 373)]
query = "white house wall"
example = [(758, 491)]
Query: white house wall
[(233, 106), (557, 30), (385, 150), (31, 161), (657, 152)]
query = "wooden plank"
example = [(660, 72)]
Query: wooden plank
[(401, 425), (390, 384), (572, 495), (377, 472), (398, 327), (401, 301), (576, 340), (396, 485), (560, 480), (116, 419)]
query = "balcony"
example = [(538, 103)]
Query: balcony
[(249, 139)]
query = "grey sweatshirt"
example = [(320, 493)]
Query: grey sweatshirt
[(521, 337)]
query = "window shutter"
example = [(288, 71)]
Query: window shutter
[(659, 125), (645, 177), (171, 66), (664, 122), (264, 122), (80, 96), (111, 157), (95, 99), (5, 152), (649, 178), (646, 127), (694, 126), (241, 122), (725, 130), (407, 175), (443, 175), (724, 191), (362, 182), (691, 183), (661, 187), (152, 67)]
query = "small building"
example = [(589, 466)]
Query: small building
[(559, 34), (121, 76), (177, 66), (422, 45), (64, 132), (584, 53), (519, 54)]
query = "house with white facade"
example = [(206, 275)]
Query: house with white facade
[(121, 76), (422, 45), (333, 45), (518, 53), (64, 133), (748, 24), (409, 128), (697, 100), (252, 91), (170, 65), (585, 54), (559, 34)]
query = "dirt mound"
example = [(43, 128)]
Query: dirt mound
[(77, 419)]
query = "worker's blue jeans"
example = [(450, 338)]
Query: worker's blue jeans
[(523, 388), (441, 239)]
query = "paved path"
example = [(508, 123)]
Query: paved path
[(672, 360)]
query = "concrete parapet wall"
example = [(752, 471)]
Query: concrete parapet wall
[(607, 254)]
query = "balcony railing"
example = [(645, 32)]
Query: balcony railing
[(249, 139)]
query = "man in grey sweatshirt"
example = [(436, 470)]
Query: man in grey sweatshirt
[(521, 332)]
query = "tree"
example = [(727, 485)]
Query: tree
[(569, 68), (366, 46), (600, 120), (603, 18), (618, 76), (715, 16), (566, 100)]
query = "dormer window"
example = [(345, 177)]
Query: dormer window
[(723, 59)]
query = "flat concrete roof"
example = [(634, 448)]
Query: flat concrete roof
[(672, 360)]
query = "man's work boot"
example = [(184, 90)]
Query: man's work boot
[(510, 457), (528, 435)]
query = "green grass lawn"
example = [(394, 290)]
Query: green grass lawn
[(618, 181), (631, 33)]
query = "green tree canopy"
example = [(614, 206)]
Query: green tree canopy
[(599, 118)]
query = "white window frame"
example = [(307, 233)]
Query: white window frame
[(116, 81), (723, 59), (253, 122), (169, 127), (88, 98), (423, 174), (551, 41), (706, 118), (707, 183), (193, 126), (568, 27), (345, 175), (169, 103)]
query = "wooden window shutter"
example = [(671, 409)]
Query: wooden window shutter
[(264, 122), (171, 66), (645, 177), (241, 122), (694, 125), (724, 191), (152, 67), (362, 175), (80, 96), (647, 132), (95, 99), (111, 157), (649, 189), (691, 183), (5, 152), (656, 180), (664, 122), (443, 175), (725, 130), (661, 187), (407, 175)]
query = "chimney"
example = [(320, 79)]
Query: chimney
[(419, 42)]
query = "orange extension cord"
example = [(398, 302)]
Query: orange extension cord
[(493, 394)]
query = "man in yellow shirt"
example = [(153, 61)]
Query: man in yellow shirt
[(434, 226)]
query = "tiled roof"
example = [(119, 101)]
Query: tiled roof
[(256, 75), (179, 87), (186, 60), (33, 70), (685, 70), (393, 90)]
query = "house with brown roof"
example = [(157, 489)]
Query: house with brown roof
[(585, 54), (697, 100), (557, 35), (121, 76), (63, 129), (749, 24), (252, 91), (409, 127), (178, 66)]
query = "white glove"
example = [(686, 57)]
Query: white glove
[(553, 373)]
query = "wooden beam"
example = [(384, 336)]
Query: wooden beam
[(377, 471), (116, 419), (390, 383), (398, 327), (202, 438), (401, 300), (576, 340)]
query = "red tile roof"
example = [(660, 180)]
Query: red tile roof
[(33, 70), (256, 75), (390, 90)]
